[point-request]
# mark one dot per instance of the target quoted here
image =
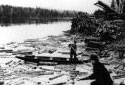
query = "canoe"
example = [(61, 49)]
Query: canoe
[(42, 59)]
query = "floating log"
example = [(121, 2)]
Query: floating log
[(94, 44), (57, 76), (119, 76)]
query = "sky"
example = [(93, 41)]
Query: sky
[(76, 5)]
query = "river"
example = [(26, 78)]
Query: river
[(19, 33)]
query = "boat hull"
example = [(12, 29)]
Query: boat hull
[(50, 59)]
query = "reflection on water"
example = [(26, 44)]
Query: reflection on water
[(11, 21), (18, 33), (73, 74)]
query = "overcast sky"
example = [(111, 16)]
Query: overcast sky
[(78, 5)]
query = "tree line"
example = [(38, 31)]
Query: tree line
[(8, 13)]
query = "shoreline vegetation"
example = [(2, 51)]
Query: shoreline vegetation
[(95, 30), (108, 31), (17, 15), (94, 35)]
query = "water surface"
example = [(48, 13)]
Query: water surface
[(19, 33)]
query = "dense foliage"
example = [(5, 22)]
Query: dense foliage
[(99, 14), (23, 14), (83, 23), (95, 25)]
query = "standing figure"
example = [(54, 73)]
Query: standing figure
[(100, 73), (73, 49)]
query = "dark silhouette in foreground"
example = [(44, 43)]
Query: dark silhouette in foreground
[(100, 73)]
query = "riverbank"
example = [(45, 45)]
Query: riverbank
[(16, 71)]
